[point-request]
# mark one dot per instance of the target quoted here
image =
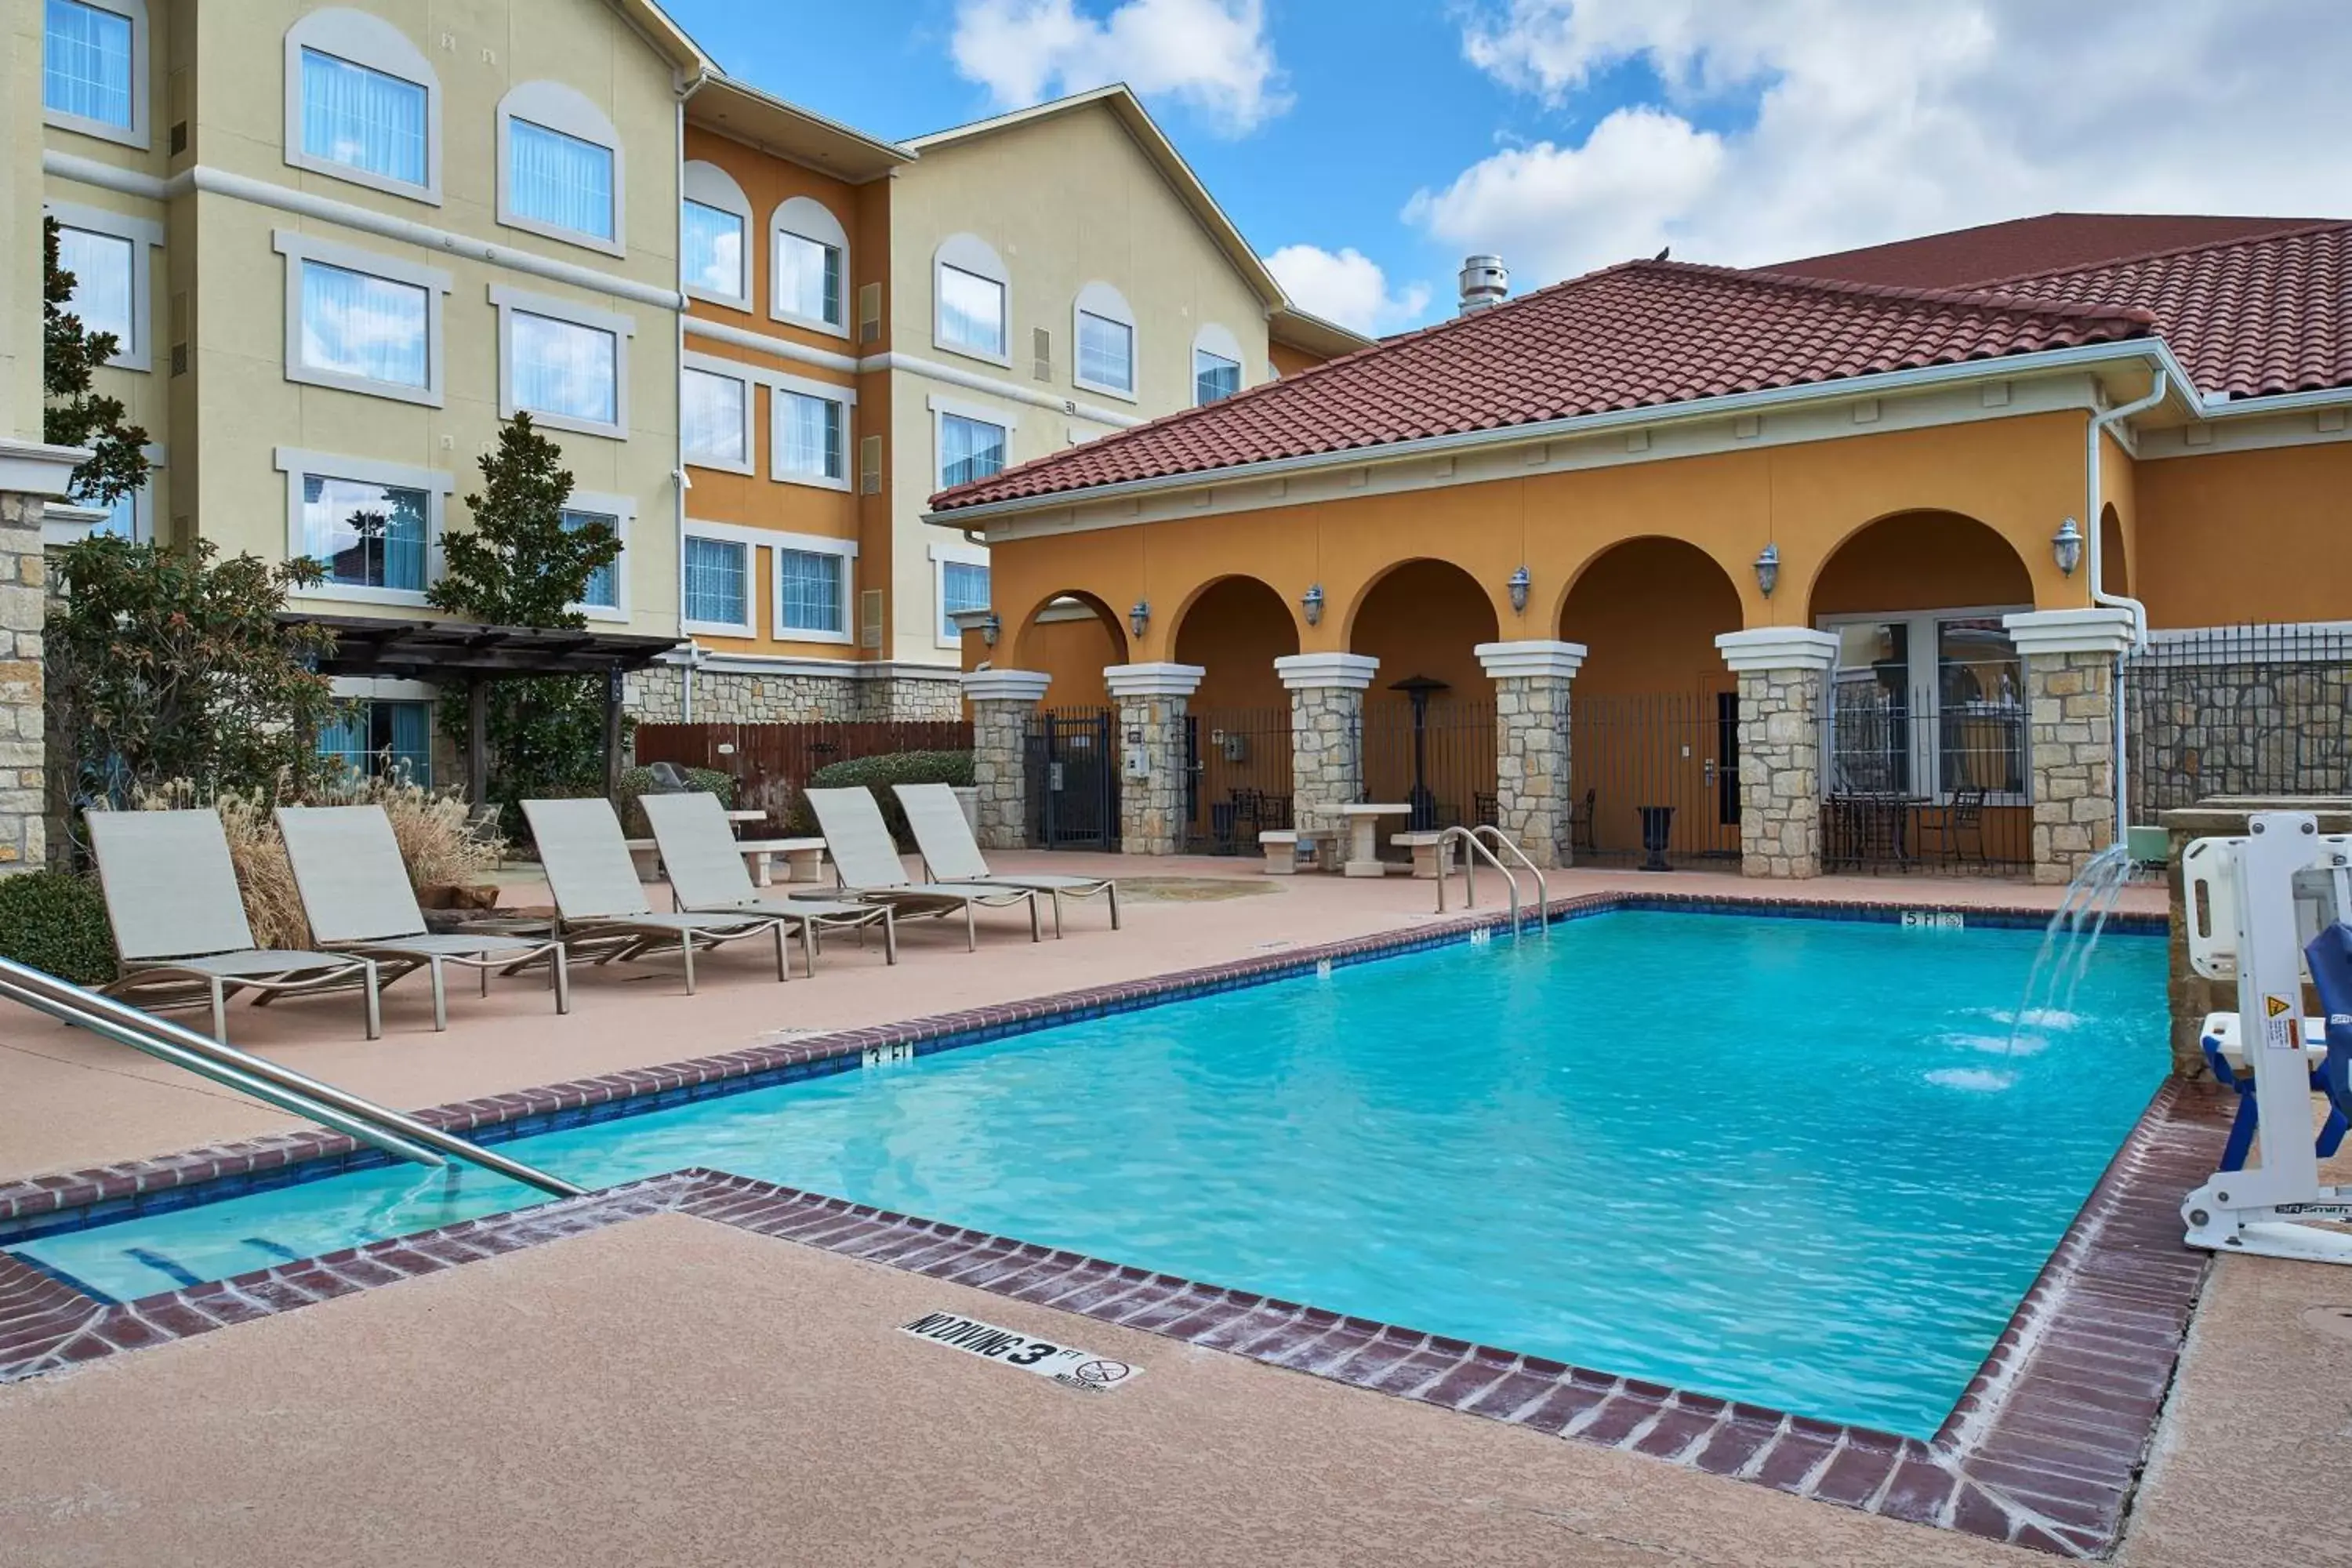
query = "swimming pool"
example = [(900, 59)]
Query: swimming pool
[(1793, 1162)]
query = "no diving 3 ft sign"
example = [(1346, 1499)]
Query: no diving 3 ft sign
[(1081, 1370)]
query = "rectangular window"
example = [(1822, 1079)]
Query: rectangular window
[(1980, 707), (714, 251), (810, 588), (103, 268), (559, 180), (363, 118), (808, 436), (86, 62), (808, 279), (359, 325), (712, 413), (367, 535), (1215, 377), (1105, 352), (718, 582), (964, 585), (968, 450), (394, 740), (604, 589), (1925, 707), (566, 369), (971, 311)]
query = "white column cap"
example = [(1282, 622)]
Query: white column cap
[(1309, 671), (38, 468), (1006, 685), (1153, 679), (1778, 648), (2100, 630), (1536, 657)]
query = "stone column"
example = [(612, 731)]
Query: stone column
[(2070, 690), (1152, 775), (1327, 735), (1784, 674), (31, 473), (1532, 793), (1003, 708)]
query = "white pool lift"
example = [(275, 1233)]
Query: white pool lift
[(2252, 905)]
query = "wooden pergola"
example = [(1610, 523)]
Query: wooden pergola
[(459, 653)]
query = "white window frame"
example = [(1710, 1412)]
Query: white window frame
[(298, 464), (509, 300), (1927, 750), (831, 392), (970, 253), (137, 133), (298, 249), (725, 370), (813, 544), (941, 555), (1102, 300), (984, 413), (144, 234), (811, 220), (1213, 339), (622, 511), (556, 107), (713, 186), (371, 41), (751, 539)]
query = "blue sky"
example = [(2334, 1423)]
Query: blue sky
[(1365, 146)]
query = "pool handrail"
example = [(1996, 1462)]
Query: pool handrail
[(400, 1135), (1543, 891), (1477, 852)]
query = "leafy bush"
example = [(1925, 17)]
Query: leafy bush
[(879, 773), (57, 922), (636, 782)]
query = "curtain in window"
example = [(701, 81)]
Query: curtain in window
[(366, 536), (964, 585), (604, 589), (808, 279), (812, 435), (1215, 377), (810, 583), (558, 179), (714, 249), (715, 581), (1105, 352), (711, 407), (972, 311), (968, 450), (86, 62), (565, 368), (101, 268), (344, 738), (363, 118), (356, 324), (401, 734)]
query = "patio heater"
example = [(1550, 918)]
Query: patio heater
[(1418, 689)]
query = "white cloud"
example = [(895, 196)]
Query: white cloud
[(1212, 55), (1786, 128), (1347, 286)]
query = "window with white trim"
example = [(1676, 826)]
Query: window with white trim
[(1216, 365), (714, 413), (811, 438), (566, 365), (812, 593), (375, 527), (809, 263), (962, 586), (1924, 706), (714, 225), (970, 291), (94, 67), (362, 103), (716, 583), (369, 739), (360, 322), (1104, 330), (606, 595), (104, 268), (559, 166), (970, 449)]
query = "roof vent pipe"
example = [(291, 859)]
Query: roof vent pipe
[(1485, 283)]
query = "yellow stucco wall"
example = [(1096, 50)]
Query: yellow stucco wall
[(2259, 536)]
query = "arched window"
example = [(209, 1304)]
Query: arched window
[(559, 166), (714, 224), (972, 299), (363, 104), (1103, 329), (808, 258), (1216, 365)]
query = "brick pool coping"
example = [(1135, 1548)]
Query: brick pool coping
[(2043, 1449)]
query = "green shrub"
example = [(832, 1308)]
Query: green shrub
[(57, 922), (636, 781), (879, 773)]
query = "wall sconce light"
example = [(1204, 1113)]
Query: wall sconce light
[(1768, 569), (1520, 580), (2066, 546), (990, 628), (1140, 617), (1312, 603)]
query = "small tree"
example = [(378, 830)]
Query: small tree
[(74, 415), (522, 564)]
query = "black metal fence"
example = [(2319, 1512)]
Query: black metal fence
[(1073, 779), (1237, 762), (2248, 709), (1655, 778), (1436, 756), (1914, 785)]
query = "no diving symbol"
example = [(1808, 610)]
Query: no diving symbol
[(1101, 1371)]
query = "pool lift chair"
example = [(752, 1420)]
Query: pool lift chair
[(2257, 908)]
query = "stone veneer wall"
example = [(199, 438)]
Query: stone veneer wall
[(1531, 764), (1327, 751), (656, 696), (2231, 716), (23, 835), (2070, 736), (1000, 752), (1151, 803), (1781, 719)]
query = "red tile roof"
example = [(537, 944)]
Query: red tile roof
[(2026, 246)]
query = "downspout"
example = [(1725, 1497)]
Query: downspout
[(2095, 525)]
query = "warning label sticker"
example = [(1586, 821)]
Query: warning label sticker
[(1081, 1370), (2276, 1006), (2278, 1022)]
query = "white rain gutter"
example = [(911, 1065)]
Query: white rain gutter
[(2095, 517)]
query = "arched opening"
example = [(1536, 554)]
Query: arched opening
[(1239, 717), (1654, 719), (2115, 567), (1429, 718), (1072, 636)]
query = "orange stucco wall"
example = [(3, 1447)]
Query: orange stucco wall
[(1235, 630), (1289, 361), (1074, 653), (2246, 536), (1922, 561)]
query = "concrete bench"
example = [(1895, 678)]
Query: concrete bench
[(1282, 846), (1427, 866), (804, 858)]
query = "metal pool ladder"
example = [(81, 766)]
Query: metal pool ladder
[(1475, 841), (401, 1136)]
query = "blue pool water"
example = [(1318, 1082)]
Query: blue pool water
[(1788, 1160)]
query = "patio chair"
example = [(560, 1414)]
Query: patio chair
[(867, 865), (707, 876), (356, 893), (180, 927), (598, 899), (1948, 831), (952, 854)]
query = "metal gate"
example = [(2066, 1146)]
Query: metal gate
[(1237, 778), (1073, 777), (1434, 754), (1655, 778)]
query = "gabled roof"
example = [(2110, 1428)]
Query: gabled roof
[(2028, 247), (671, 41), (1640, 335), (737, 109), (1313, 333)]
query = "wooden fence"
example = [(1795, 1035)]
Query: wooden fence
[(771, 764)]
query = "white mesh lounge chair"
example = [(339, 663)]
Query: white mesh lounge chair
[(355, 891), (953, 854), (598, 899), (868, 866), (180, 931), (707, 875)]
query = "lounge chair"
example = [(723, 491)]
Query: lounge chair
[(355, 891), (867, 864), (179, 922), (707, 876), (953, 854), (598, 899)]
